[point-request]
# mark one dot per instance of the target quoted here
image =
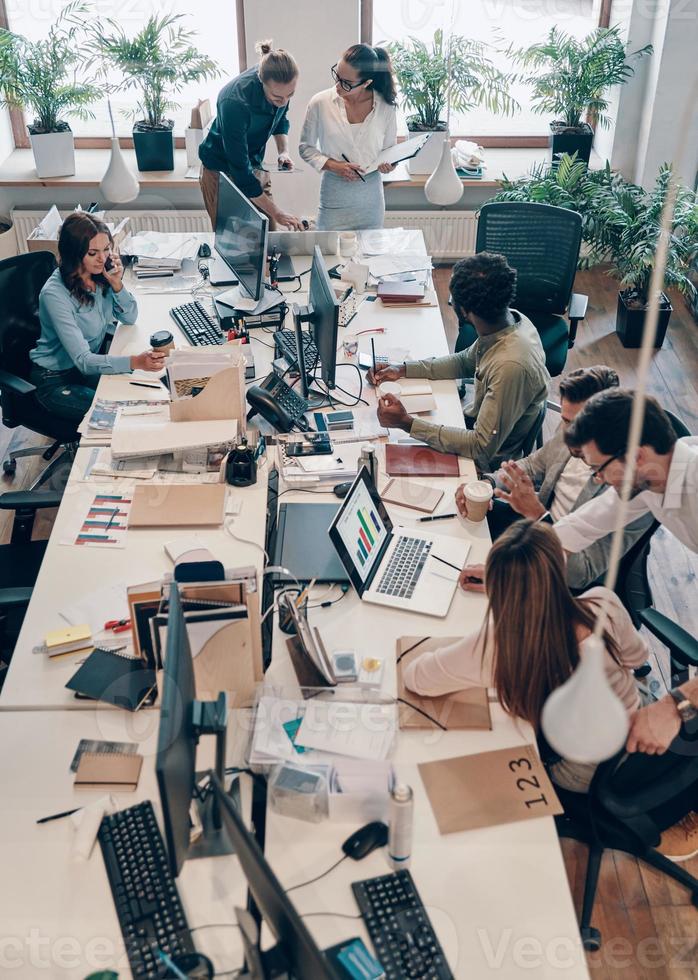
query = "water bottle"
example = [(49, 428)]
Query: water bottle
[(400, 811), (368, 459)]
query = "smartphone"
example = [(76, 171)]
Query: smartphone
[(314, 444), (108, 265)]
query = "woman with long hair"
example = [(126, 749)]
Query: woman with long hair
[(346, 127), (77, 306), (250, 109), (530, 643)]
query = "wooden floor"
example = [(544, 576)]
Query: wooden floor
[(649, 927)]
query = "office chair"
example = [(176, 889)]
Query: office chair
[(542, 243), (21, 280), (20, 561)]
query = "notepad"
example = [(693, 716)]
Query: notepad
[(403, 460), (108, 675), (109, 770), (177, 505), (407, 493), (68, 640)]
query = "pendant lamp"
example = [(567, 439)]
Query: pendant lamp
[(583, 719), (444, 186), (119, 184)]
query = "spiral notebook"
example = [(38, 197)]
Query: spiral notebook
[(119, 771), (114, 677)]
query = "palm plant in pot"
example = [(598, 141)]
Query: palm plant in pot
[(40, 77), (631, 221), (455, 72), (159, 61), (571, 80)]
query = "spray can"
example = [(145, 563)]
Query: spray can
[(368, 459), (400, 813)]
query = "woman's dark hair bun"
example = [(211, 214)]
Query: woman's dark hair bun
[(264, 47)]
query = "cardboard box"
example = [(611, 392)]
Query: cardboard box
[(44, 238)]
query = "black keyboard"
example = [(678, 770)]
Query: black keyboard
[(402, 935), (285, 341), (199, 327), (144, 892)]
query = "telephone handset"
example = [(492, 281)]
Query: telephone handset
[(279, 404)]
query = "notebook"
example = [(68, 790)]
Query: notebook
[(407, 493), (177, 505), (112, 677), (453, 712), (68, 640), (402, 460), (109, 769)]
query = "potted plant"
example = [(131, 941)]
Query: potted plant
[(39, 76), (631, 219), (456, 73), (159, 60), (571, 80)]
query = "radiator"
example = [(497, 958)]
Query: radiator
[(26, 221), (448, 234)]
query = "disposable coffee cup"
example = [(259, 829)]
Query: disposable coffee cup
[(390, 388), (478, 494), (348, 243), (162, 340)]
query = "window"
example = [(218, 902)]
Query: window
[(214, 22), (522, 22)]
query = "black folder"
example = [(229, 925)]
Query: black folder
[(109, 676)]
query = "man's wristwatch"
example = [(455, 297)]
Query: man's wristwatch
[(686, 709)]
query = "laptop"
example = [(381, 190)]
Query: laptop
[(401, 567), (304, 242)]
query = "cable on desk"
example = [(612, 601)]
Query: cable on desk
[(310, 881), (227, 525), (334, 915), (331, 602)]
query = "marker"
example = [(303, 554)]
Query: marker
[(356, 171), (57, 816), (142, 384), (438, 517)]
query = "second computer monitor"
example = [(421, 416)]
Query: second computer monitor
[(324, 318), (241, 237)]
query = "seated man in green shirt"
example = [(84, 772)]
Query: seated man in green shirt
[(507, 362)]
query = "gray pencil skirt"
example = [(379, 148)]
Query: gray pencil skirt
[(349, 205)]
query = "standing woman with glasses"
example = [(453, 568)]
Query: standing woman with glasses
[(345, 130)]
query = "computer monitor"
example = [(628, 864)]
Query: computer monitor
[(324, 317), (182, 720), (241, 237), (301, 955)]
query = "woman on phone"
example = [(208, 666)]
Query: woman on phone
[(530, 643), (345, 130), (77, 306)]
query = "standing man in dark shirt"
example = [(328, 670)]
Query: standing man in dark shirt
[(250, 109)]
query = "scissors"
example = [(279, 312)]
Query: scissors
[(118, 625)]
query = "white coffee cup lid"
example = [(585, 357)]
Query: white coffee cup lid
[(390, 388), (478, 490)]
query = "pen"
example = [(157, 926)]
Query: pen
[(142, 384), (438, 517), (304, 593), (344, 157), (57, 816), (450, 564), (373, 355)]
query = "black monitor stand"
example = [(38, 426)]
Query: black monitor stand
[(210, 718), (301, 315)]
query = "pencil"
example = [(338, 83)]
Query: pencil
[(304, 593), (344, 157)]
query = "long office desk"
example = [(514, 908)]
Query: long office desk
[(498, 897)]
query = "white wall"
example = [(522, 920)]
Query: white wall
[(316, 33)]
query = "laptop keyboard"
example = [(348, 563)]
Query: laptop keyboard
[(406, 563)]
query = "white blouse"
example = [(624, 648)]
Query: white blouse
[(327, 133)]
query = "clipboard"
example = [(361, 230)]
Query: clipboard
[(401, 151), (459, 711)]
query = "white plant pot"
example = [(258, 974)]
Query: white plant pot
[(54, 154), (426, 161)]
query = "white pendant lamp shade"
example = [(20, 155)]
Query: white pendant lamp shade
[(583, 720), (444, 186), (119, 184)]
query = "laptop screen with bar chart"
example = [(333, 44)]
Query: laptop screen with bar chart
[(363, 527)]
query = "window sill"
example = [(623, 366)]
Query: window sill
[(18, 170)]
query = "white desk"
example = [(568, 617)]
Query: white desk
[(498, 898)]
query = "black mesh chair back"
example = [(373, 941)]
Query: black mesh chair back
[(542, 243), (21, 280)]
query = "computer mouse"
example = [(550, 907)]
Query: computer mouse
[(365, 840), (341, 489), (204, 251)]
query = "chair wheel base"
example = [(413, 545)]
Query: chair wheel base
[(9, 467), (591, 939)]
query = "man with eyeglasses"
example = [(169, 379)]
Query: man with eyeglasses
[(556, 480)]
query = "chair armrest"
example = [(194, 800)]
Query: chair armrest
[(683, 646), (577, 309), (29, 500), (13, 383), (653, 785), (15, 597)]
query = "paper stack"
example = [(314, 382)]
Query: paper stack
[(143, 436), (160, 253), (97, 425)]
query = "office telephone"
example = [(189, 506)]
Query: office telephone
[(279, 404)]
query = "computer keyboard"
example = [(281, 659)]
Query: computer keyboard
[(144, 892), (403, 937), (199, 327), (404, 568), (285, 341)]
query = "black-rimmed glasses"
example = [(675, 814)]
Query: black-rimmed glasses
[(342, 82), (595, 474)]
